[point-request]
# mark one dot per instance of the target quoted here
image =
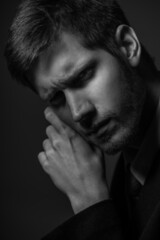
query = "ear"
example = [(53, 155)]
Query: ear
[(129, 44)]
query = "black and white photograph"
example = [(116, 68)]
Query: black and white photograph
[(80, 120)]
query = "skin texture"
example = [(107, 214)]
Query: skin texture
[(68, 159), (86, 88)]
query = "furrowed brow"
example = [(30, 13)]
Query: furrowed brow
[(64, 83), (68, 81)]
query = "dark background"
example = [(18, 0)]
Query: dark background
[(31, 205)]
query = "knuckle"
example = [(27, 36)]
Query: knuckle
[(49, 153), (57, 144)]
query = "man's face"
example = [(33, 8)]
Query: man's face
[(90, 92)]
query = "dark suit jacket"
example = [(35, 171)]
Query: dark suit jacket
[(117, 219)]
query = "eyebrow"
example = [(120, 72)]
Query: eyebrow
[(63, 83)]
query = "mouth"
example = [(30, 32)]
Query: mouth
[(99, 130)]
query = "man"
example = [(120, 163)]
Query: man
[(103, 89)]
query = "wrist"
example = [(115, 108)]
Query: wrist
[(82, 201)]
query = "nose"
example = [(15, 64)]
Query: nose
[(81, 108)]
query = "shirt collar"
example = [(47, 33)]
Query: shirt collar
[(142, 163)]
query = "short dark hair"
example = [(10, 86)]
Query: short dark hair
[(39, 23)]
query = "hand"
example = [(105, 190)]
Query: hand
[(72, 164)]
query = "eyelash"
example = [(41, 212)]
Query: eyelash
[(58, 98), (83, 79)]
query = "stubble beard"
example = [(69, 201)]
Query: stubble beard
[(125, 132)]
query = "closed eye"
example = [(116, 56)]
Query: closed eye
[(57, 98), (83, 78)]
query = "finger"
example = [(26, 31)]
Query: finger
[(48, 147), (58, 124), (43, 160), (52, 133), (54, 142), (54, 120), (81, 147), (51, 149)]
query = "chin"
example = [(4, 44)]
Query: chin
[(118, 141), (111, 148)]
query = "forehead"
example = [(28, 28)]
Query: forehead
[(60, 62)]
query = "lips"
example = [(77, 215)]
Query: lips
[(98, 130)]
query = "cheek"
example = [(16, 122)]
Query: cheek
[(106, 91)]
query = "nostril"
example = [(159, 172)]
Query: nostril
[(85, 123), (87, 120)]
